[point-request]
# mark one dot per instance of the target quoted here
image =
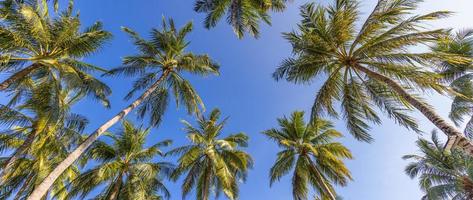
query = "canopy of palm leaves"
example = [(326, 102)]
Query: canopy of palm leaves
[(36, 47), (309, 150), (442, 175), (459, 76), (212, 164), (164, 55), (368, 67), (244, 16), (125, 167), (50, 131)]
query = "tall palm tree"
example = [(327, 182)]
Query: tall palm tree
[(371, 67), (212, 164), (40, 134), (459, 76), (43, 113), (443, 175), (159, 64), (126, 167), (243, 15), (309, 151), (36, 48)]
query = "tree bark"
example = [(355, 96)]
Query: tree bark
[(456, 137), (116, 188), (18, 152), (44, 186), (18, 75)]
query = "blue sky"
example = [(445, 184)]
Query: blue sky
[(246, 92)]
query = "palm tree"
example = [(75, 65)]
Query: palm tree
[(309, 151), (372, 67), (243, 15), (45, 112), (212, 164), (160, 63), (125, 167), (41, 133), (37, 48), (442, 174), (459, 76)]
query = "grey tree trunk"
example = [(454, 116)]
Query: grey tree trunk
[(44, 186), (18, 152), (456, 137), (18, 75)]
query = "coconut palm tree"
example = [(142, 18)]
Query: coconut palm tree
[(159, 64), (459, 76), (38, 48), (125, 167), (46, 111), (41, 132), (243, 15), (443, 175), (212, 164), (309, 151), (372, 66)]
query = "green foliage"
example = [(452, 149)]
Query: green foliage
[(49, 49), (126, 167), (308, 151), (459, 76), (329, 44), (442, 175), (164, 55), (46, 117), (243, 15), (212, 165)]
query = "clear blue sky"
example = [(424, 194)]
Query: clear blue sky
[(246, 92)]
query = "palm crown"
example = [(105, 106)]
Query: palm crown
[(308, 149), (243, 15), (37, 48), (126, 167), (164, 58), (371, 67), (212, 164), (442, 175)]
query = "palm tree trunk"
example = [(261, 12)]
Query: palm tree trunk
[(323, 181), (456, 137), (18, 75), (18, 152), (116, 187), (42, 188)]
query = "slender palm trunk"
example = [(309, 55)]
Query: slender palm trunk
[(456, 137), (18, 75), (43, 188), (116, 187), (18, 152)]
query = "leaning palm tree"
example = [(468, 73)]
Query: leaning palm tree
[(309, 151), (45, 111), (52, 143), (212, 164), (443, 175), (159, 64), (371, 67), (126, 168), (459, 76), (38, 48), (243, 15)]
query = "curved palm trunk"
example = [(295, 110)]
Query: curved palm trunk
[(43, 188), (22, 73), (18, 152), (455, 137), (116, 187)]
